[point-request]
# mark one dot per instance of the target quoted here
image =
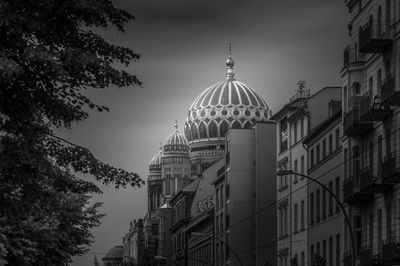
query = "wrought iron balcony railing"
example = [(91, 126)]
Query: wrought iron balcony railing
[(375, 36), (353, 126), (372, 109), (391, 89), (372, 183), (352, 194), (391, 251), (351, 55), (391, 168)]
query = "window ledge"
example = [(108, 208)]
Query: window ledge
[(283, 236), (283, 188)]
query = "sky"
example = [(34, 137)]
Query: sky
[(184, 46)]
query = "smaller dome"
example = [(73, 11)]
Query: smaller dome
[(155, 162), (176, 142)]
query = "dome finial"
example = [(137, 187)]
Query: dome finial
[(160, 147), (229, 64), (176, 124)]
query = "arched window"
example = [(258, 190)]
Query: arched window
[(356, 88), (388, 12), (195, 133), (247, 124), (203, 131), (223, 128), (213, 129), (236, 124)]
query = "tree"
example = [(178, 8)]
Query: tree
[(49, 55)]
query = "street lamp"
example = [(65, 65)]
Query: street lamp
[(222, 242), (346, 217)]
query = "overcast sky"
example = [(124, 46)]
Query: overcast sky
[(184, 46)]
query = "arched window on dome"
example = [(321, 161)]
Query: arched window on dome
[(195, 133), (247, 124), (223, 128), (203, 131), (213, 129), (236, 124)]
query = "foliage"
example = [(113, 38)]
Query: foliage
[(49, 55)]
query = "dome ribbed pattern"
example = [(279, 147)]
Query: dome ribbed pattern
[(227, 104), (155, 162), (175, 142)]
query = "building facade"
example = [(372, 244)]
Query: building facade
[(294, 122), (325, 229), (371, 121)]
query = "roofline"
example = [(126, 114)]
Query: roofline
[(322, 126)]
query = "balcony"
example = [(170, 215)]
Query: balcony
[(366, 256), (350, 56), (372, 109), (375, 36), (347, 259), (391, 251), (371, 184), (390, 96), (391, 169), (353, 126), (352, 194)]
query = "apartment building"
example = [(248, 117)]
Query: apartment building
[(294, 121), (325, 228), (371, 121)]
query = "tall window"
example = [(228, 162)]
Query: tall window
[(302, 261), (295, 218), (337, 250), (323, 149), (318, 205), (311, 158), (388, 221), (302, 128), (370, 84), (283, 135), (295, 132), (337, 138), (302, 165), (318, 153), (379, 81), (324, 249), (284, 220), (302, 216), (295, 166), (379, 155), (337, 193), (330, 199), (371, 228), (283, 178), (379, 229), (221, 198), (312, 208), (345, 164), (330, 263), (217, 199), (323, 203), (330, 143)]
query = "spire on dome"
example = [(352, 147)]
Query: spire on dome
[(176, 124), (229, 64)]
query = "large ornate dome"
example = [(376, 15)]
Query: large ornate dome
[(227, 104)]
